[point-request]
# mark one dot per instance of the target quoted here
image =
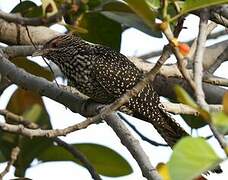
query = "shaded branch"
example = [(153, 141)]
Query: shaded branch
[(18, 119), (152, 54), (13, 157), (144, 138), (78, 155), (179, 108), (42, 86), (123, 133)]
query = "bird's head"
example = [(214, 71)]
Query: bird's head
[(58, 47)]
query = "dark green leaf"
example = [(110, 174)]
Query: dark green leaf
[(142, 9), (183, 97), (117, 6), (28, 9), (101, 30), (191, 5), (30, 105), (2, 157), (191, 157), (32, 68), (194, 121), (106, 161), (154, 4), (94, 3), (122, 13), (220, 120), (131, 20)]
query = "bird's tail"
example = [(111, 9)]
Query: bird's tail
[(146, 106)]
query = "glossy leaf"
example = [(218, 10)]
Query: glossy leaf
[(30, 105), (2, 157), (120, 12), (183, 97), (106, 161), (191, 157), (117, 6), (141, 8), (220, 120), (33, 68), (101, 30), (194, 121), (191, 5), (28, 9), (154, 4), (94, 3), (131, 20)]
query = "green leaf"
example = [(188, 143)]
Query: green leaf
[(183, 97), (154, 4), (94, 3), (28, 9), (131, 20), (220, 120), (191, 157), (106, 161), (101, 30), (30, 105), (117, 6), (191, 5), (121, 13), (141, 8), (32, 68), (194, 121), (2, 157)]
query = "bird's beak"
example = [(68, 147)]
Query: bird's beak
[(39, 52)]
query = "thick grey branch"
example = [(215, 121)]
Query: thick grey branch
[(133, 146), (39, 85), (11, 33)]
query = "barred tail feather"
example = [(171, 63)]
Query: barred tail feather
[(146, 106)]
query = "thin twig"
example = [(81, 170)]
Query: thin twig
[(13, 157), (78, 155), (158, 53), (219, 61), (18, 119), (144, 138), (36, 21), (198, 75)]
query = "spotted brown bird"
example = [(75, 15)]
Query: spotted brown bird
[(104, 75)]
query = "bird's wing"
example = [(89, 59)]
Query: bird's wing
[(115, 73)]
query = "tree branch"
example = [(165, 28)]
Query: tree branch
[(14, 154), (11, 33), (144, 138), (133, 146), (36, 21), (198, 60), (78, 155)]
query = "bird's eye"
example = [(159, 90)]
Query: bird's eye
[(54, 44)]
